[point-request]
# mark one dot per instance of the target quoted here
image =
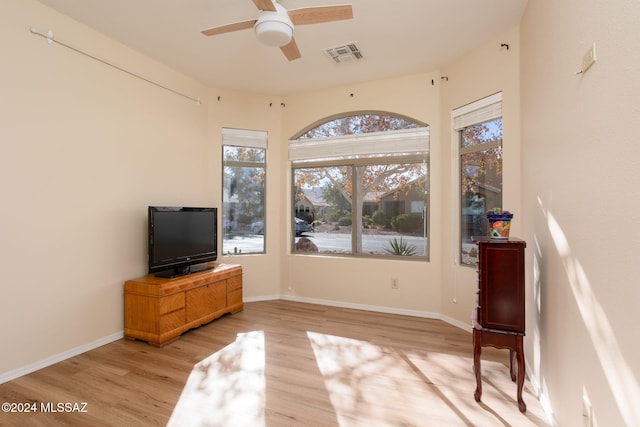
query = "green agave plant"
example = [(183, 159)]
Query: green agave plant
[(400, 247)]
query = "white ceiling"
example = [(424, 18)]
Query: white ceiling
[(396, 37)]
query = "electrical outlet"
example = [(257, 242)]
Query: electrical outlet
[(395, 283), (589, 58)]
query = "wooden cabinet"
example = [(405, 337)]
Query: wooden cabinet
[(159, 310), (499, 319), (501, 284)]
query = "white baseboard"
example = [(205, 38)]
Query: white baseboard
[(261, 298), (24, 370), (456, 322), (377, 308), (543, 398)]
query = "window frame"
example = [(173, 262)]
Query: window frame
[(484, 110), (405, 146), (254, 140)]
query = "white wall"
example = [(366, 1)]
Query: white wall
[(232, 109), (581, 204), (367, 281), (84, 149), (486, 70)]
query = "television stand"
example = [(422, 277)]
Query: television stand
[(158, 310)]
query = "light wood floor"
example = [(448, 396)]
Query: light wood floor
[(282, 363)]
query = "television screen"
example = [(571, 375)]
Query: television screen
[(180, 237)]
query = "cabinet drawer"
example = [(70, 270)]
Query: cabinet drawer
[(171, 303), (172, 321), (234, 298), (234, 283)]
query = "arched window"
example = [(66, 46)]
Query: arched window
[(362, 181), (355, 124)]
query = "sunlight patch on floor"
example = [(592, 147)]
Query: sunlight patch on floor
[(365, 378), (226, 388)]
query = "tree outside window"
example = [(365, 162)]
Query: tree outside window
[(243, 200), (481, 182)]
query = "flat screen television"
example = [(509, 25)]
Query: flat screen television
[(181, 237)]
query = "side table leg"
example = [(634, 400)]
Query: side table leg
[(520, 355), (512, 364), (477, 346)]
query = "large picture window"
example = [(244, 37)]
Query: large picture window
[(243, 193), (479, 127), (360, 187)]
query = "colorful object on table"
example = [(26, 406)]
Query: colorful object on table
[(499, 223)]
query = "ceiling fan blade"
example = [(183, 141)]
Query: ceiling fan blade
[(319, 14), (264, 5), (290, 50), (229, 28)]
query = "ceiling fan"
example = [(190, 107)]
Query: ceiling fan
[(274, 25)]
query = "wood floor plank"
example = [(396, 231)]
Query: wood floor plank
[(282, 363)]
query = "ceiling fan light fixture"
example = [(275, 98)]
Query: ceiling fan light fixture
[(273, 32), (274, 28)]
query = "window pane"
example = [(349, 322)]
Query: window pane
[(243, 201), (481, 178), (390, 209), (244, 154), (481, 133), (393, 209), (359, 124), (322, 200)]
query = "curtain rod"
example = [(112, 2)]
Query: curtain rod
[(50, 39)]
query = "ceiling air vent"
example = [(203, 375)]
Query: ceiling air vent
[(345, 53)]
